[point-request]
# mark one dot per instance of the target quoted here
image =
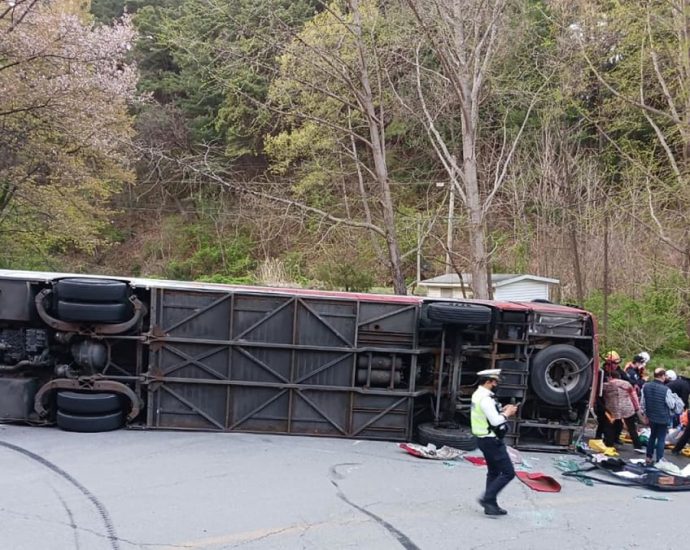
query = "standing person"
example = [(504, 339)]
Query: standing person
[(489, 425), (657, 404), (645, 357), (681, 387), (635, 371), (612, 363), (620, 400)]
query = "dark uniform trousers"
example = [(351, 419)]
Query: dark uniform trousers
[(500, 467), (684, 438)]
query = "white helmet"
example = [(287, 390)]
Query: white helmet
[(645, 356), (671, 375)]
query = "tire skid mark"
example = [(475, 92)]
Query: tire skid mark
[(70, 515), (401, 537), (109, 527), (335, 474)]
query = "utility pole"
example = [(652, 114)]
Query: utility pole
[(449, 236), (419, 249), (606, 281)]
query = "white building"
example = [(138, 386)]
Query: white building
[(506, 286)]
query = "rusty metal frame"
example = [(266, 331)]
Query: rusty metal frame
[(90, 383), (88, 328)]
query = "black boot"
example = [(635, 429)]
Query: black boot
[(491, 509), (494, 510)]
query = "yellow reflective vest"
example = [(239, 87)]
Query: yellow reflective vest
[(480, 424)]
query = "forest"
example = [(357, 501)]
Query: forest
[(359, 145)]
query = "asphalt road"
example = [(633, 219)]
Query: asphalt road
[(172, 490)]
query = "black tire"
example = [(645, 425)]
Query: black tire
[(91, 290), (89, 423), (87, 312), (558, 369), (459, 438), (88, 403), (459, 313)]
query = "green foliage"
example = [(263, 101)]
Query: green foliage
[(346, 276), (104, 11), (350, 268), (654, 321), (201, 254), (226, 280), (214, 60)]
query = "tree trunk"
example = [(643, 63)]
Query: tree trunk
[(480, 281), (605, 315), (363, 194), (449, 235), (378, 152)]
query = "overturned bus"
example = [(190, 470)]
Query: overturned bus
[(92, 353)]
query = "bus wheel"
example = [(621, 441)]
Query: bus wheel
[(561, 375), (88, 403), (460, 437), (91, 290), (89, 423), (88, 312)]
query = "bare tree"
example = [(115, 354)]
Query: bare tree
[(655, 86), (337, 61), (465, 37)]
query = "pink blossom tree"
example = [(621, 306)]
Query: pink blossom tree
[(65, 86)]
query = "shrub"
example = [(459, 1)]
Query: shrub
[(654, 322)]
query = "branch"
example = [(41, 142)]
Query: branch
[(659, 134), (499, 179), (447, 159), (236, 186), (619, 95), (657, 71)]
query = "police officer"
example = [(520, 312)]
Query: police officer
[(489, 424)]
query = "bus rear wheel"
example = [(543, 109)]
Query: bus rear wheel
[(459, 437)]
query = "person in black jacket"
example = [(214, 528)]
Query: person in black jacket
[(635, 372), (681, 387), (612, 363)]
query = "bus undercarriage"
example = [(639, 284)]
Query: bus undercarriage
[(96, 353)]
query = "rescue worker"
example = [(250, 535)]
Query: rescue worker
[(636, 373), (612, 362), (622, 406), (489, 424), (681, 387)]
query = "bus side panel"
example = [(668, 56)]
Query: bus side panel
[(234, 361)]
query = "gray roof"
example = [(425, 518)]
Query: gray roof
[(497, 279)]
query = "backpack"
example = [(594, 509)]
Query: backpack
[(678, 405)]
